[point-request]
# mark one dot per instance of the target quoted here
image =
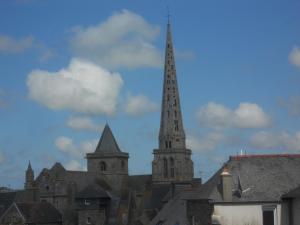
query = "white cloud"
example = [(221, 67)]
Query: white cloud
[(294, 56), (247, 115), (12, 45), (82, 87), (123, 40), (74, 165), (140, 104), (2, 157), (206, 143), (283, 141), (83, 123), (46, 54), (67, 146)]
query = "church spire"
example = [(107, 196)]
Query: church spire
[(171, 134), (29, 177), (172, 160)]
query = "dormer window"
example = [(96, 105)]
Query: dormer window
[(87, 202)]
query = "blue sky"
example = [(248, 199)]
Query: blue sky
[(68, 67)]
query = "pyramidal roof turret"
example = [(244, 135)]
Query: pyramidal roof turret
[(29, 167), (107, 143)]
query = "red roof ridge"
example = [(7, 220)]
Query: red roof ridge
[(238, 157)]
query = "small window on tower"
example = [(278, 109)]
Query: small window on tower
[(166, 144), (102, 166), (175, 113), (176, 125), (88, 220), (170, 144)]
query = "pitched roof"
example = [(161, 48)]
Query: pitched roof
[(107, 143), (295, 193), (39, 212), (261, 177), (93, 191)]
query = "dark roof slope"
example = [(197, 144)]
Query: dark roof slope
[(295, 193), (6, 199), (139, 182), (262, 177), (39, 212), (93, 191), (107, 143)]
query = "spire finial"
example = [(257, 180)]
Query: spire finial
[(168, 14)]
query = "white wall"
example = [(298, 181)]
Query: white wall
[(245, 214)]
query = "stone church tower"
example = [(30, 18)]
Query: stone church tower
[(108, 161), (172, 160), (29, 177)]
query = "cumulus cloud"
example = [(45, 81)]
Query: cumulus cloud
[(83, 123), (67, 146), (82, 87), (12, 45), (140, 104), (206, 143), (246, 115), (123, 40), (74, 165), (270, 140), (294, 56)]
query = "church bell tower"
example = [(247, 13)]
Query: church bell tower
[(172, 160)]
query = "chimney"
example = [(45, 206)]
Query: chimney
[(226, 180)]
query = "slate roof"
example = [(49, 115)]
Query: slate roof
[(6, 199), (139, 182), (93, 191), (107, 143), (173, 212), (39, 212), (263, 178), (295, 193)]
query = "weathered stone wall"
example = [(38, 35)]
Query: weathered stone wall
[(93, 217), (183, 166), (199, 212)]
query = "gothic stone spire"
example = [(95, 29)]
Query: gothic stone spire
[(171, 133), (172, 160)]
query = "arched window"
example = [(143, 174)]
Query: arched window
[(102, 166), (165, 167), (172, 169)]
